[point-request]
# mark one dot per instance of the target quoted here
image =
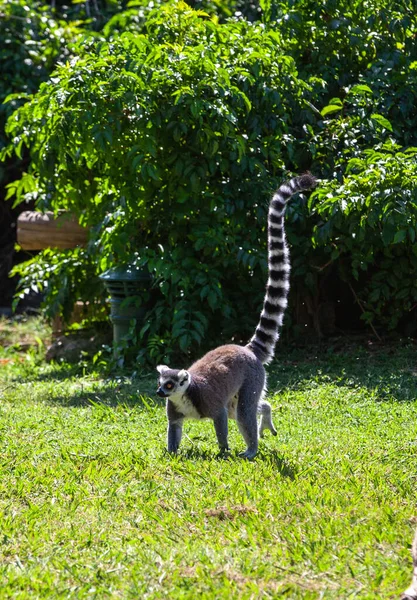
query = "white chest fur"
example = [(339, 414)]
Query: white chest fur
[(185, 406)]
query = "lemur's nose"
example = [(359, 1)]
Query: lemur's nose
[(161, 392)]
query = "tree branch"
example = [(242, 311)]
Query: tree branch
[(363, 310)]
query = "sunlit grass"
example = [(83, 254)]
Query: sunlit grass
[(93, 507)]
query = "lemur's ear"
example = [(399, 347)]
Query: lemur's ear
[(183, 376), (161, 369)]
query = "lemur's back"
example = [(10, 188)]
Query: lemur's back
[(229, 358), (224, 370)]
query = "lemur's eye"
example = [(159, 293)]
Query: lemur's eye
[(169, 386)]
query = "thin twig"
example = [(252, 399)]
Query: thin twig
[(323, 266), (363, 310), (6, 16)]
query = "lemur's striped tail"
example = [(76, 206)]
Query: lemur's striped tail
[(266, 335)]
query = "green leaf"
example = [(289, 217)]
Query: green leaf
[(360, 89), (381, 120), (400, 236), (330, 108)]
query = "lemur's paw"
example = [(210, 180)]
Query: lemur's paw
[(248, 454)]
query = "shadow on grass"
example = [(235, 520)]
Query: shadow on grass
[(281, 465), (390, 372), (76, 385), (108, 398), (272, 457), (57, 372)]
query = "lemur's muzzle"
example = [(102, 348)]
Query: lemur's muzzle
[(161, 392)]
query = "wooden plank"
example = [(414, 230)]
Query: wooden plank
[(36, 231)]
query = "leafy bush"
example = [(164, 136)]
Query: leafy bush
[(365, 235), (135, 16), (340, 40), (168, 157), (34, 36), (31, 41), (168, 139)]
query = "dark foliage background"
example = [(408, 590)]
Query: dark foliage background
[(165, 126)]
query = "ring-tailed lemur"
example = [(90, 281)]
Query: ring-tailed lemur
[(229, 382), (411, 592)]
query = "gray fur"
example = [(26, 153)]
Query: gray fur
[(230, 381), (411, 592)]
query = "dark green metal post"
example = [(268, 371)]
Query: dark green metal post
[(127, 287)]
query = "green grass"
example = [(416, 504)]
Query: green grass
[(91, 505), (23, 332)]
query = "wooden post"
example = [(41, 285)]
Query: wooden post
[(36, 231)]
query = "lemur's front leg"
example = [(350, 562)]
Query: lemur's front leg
[(174, 435), (175, 423)]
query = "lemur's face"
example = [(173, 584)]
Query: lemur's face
[(171, 381)]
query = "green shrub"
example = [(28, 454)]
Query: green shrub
[(32, 39), (170, 158), (35, 35), (168, 139), (340, 40), (368, 228)]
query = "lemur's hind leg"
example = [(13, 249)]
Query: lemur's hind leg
[(265, 421), (221, 427), (246, 417)]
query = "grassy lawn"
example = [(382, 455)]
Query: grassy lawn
[(91, 505)]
